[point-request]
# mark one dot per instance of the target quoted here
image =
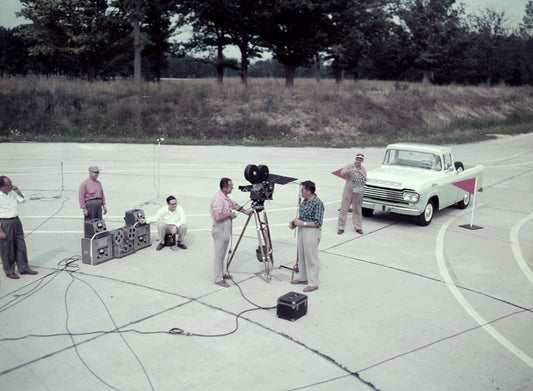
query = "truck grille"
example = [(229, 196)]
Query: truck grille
[(384, 194)]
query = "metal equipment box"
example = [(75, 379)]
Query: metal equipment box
[(97, 250), (141, 238), (133, 215), (122, 240), (93, 226), (292, 306)]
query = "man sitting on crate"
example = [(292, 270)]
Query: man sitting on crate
[(171, 220)]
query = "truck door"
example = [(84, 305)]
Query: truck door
[(448, 194)]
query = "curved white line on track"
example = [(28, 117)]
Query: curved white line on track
[(439, 250), (515, 245)]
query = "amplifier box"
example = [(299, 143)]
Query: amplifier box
[(141, 238), (97, 250), (133, 215), (292, 306), (122, 240), (94, 226)]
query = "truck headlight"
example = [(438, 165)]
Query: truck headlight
[(410, 196)]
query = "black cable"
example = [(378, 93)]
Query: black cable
[(75, 345), (114, 324), (96, 332), (179, 331), (67, 262), (49, 218), (70, 266)]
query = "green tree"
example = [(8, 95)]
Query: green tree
[(14, 58), (77, 36), (295, 31), (527, 21), (356, 27), (158, 28), (209, 29), (431, 25), (243, 28), (390, 56), (491, 46)]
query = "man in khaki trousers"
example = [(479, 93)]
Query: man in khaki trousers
[(354, 188)]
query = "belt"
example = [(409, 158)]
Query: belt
[(9, 218)]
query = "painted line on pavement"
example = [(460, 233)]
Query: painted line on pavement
[(515, 245), (439, 249)]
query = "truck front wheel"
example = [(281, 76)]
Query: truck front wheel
[(426, 216)]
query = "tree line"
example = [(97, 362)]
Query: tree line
[(430, 40)]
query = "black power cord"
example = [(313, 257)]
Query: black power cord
[(70, 266), (179, 331)]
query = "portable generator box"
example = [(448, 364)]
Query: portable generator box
[(292, 306)]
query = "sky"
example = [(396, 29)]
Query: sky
[(513, 8)]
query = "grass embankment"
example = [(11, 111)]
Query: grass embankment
[(364, 113)]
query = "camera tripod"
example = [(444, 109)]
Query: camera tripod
[(264, 251)]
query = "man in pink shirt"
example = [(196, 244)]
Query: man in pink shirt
[(91, 196), (221, 210)]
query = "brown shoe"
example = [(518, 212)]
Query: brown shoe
[(359, 231), (340, 232), (29, 271), (227, 277), (223, 284), (181, 245), (295, 282), (160, 246), (13, 276), (310, 288)]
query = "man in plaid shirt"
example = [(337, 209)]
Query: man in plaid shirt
[(309, 233)]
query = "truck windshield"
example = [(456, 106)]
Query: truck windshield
[(401, 157)]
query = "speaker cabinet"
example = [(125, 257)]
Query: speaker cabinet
[(122, 239), (97, 250), (133, 215), (94, 226)]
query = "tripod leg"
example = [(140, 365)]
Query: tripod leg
[(237, 245), (263, 249), (270, 251)]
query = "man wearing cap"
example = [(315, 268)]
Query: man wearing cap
[(12, 245), (354, 188), (91, 195)]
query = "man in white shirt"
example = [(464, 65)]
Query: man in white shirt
[(171, 219), (12, 245)]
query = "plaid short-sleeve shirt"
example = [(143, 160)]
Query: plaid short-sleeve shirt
[(312, 210)]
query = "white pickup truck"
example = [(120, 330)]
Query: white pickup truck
[(416, 180)]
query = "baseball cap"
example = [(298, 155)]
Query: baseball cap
[(360, 156), (94, 169)]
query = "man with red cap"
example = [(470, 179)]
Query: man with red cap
[(354, 188)]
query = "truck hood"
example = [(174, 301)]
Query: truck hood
[(395, 177)]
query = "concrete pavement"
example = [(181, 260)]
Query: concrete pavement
[(401, 307)]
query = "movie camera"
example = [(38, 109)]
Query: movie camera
[(262, 184), (261, 190)]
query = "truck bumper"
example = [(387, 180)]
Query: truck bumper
[(391, 208)]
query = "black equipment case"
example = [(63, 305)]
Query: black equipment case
[(292, 306)]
